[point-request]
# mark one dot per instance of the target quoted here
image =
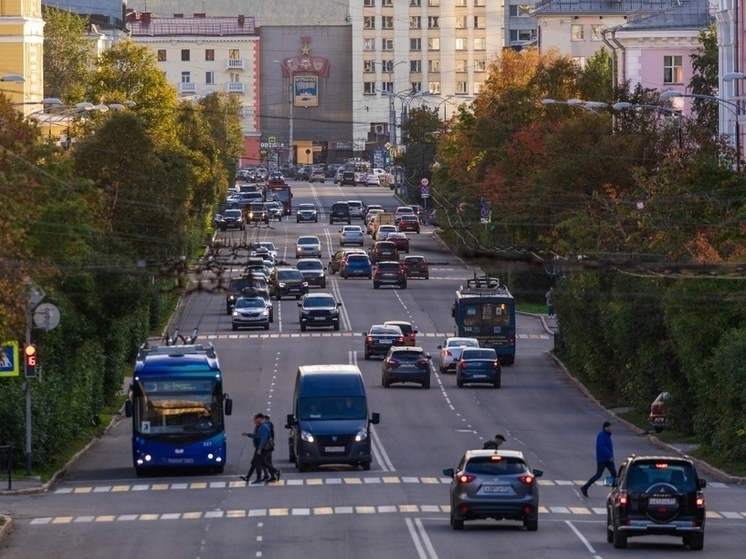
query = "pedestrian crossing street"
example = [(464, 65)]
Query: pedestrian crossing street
[(273, 335)]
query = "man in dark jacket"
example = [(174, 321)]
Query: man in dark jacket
[(265, 454), (604, 457), (256, 462), (495, 443)]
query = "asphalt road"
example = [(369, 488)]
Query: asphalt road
[(399, 509)]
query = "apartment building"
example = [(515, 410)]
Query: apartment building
[(417, 51), (22, 39), (201, 55)]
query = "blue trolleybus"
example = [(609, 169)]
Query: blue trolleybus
[(485, 310), (177, 406)]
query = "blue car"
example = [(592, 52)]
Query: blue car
[(478, 365), (356, 265)]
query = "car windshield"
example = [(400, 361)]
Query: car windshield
[(404, 210), (332, 407), (308, 241), (407, 355), (460, 342), (232, 213), (644, 474), (405, 328), (269, 246), (309, 265), (492, 466), (357, 259), (353, 204), (352, 229), (286, 275), (388, 267), (306, 207), (257, 303), (385, 331), (391, 228), (409, 218), (318, 302), (411, 260), (479, 354)]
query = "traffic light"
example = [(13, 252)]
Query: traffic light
[(29, 360)]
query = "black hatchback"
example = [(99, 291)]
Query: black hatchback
[(380, 338), (656, 495), (406, 364)]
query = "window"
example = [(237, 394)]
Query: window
[(521, 11), (388, 44), (387, 3), (513, 11), (161, 55), (480, 43), (460, 22), (433, 43), (461, 3), (433, 65), (477, 88), (522, 35), (461, 43), (433, 22), (480, 22), (369, 22), (234, 54), (580, 61), (210, 55), (480, 66), (433, 87), (415, 3), (210, 78), (479, 2), (387, 86), (185, 55), (369, 44), (415, 44), (673, 70), (415, 22), (416, 87), (462, 88), (387, 66), (461, 65), (433, 2), (576, 33), (597, 32), (186, 77), (387, 22), (369, 66), (369, 3), (369, 88), (415, 65)]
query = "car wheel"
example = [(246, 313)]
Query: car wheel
[(658, 429), (509, 360), (302, 327), (266, 326), (426, 384), (366, 466), (271, 316), (456, 523), (316, 220), (297, 297), (302, 466), (697, 542), (531, 524), (367, 356), (459, 382), (618, 539), (336, 327), (349, 221), (291, 453), (370, 276), (323, 285), (609, 533), (404, 285), (498, 381), (278, 296), (235, 327), (427, 276), (297, 220)]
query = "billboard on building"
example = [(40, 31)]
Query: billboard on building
[(306, 91)]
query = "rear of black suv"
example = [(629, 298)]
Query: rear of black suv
[(655, 495), (340, 212)]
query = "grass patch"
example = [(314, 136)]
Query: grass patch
[(717, 460), (2, 521), (535, 308)]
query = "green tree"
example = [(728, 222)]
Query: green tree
[(68, 54), (221, 113), (705, 79), (596, 81)]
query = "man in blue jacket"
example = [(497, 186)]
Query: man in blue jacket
[(265, 454), (604, 457)]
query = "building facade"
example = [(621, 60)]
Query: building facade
[(306, 94), (21, 52), (201, 55), (404, 52)]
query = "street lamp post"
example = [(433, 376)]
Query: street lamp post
[(622, 105), (291, 152)]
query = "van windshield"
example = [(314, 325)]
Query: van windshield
[(332, 407)]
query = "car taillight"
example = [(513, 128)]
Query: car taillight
[(511, 340), (392, 362), (447, 353), (401, 340), (462, 365), (700, 501), (466, 478), (496, 365), (527, 479), (622, 499), (422, 362)]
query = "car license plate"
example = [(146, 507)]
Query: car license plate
[(479, 376), (495, 488), (387, 341), (659, 501), (334, 449), (319, 318)]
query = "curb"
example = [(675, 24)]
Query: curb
[(6, 528)]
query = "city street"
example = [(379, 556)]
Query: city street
[(399, 508)]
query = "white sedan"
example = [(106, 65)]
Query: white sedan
[(372, 180), (451, 350), (351, 235), (383, 231), (308, 247)]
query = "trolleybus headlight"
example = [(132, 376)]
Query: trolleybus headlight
[(148, 458), (210, 456)]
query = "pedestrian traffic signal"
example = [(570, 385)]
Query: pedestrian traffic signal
[(29, 360)]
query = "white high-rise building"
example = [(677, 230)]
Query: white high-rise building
[(408, 52)]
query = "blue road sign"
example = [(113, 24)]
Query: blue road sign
[(9, 360), (485, 212)]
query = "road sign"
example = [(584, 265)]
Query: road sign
[(424, 182), (46, 316), (272, 140), (485, 212), (35, 293), (9, 359), (424, 191)]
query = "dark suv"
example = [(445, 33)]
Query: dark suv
[(340, 212), (383, 250), (389, 273), (257, 213), (237, 286), (286, 281), (319, 309), (406, 364), (656, 495)]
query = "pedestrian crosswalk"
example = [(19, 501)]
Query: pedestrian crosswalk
[(284, 335), (559, 511)]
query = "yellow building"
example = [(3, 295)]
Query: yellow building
[(21, 52)]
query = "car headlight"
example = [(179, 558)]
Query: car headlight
[(281, 285), (304, 284), (265, 312), (308, 437), (361, 435), (236, 314)]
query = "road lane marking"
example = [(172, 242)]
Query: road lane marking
[(581, 537)]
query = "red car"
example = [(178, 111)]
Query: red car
[(409, 223), (400, 240), (657, 416)]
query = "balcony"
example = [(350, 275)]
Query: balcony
[(235, 64), (187, 88), (235, 87)]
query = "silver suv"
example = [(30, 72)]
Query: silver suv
[(494, 484)]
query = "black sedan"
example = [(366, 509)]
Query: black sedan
[(380, 338), (319, 309), (406, 364), (313, 271)]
